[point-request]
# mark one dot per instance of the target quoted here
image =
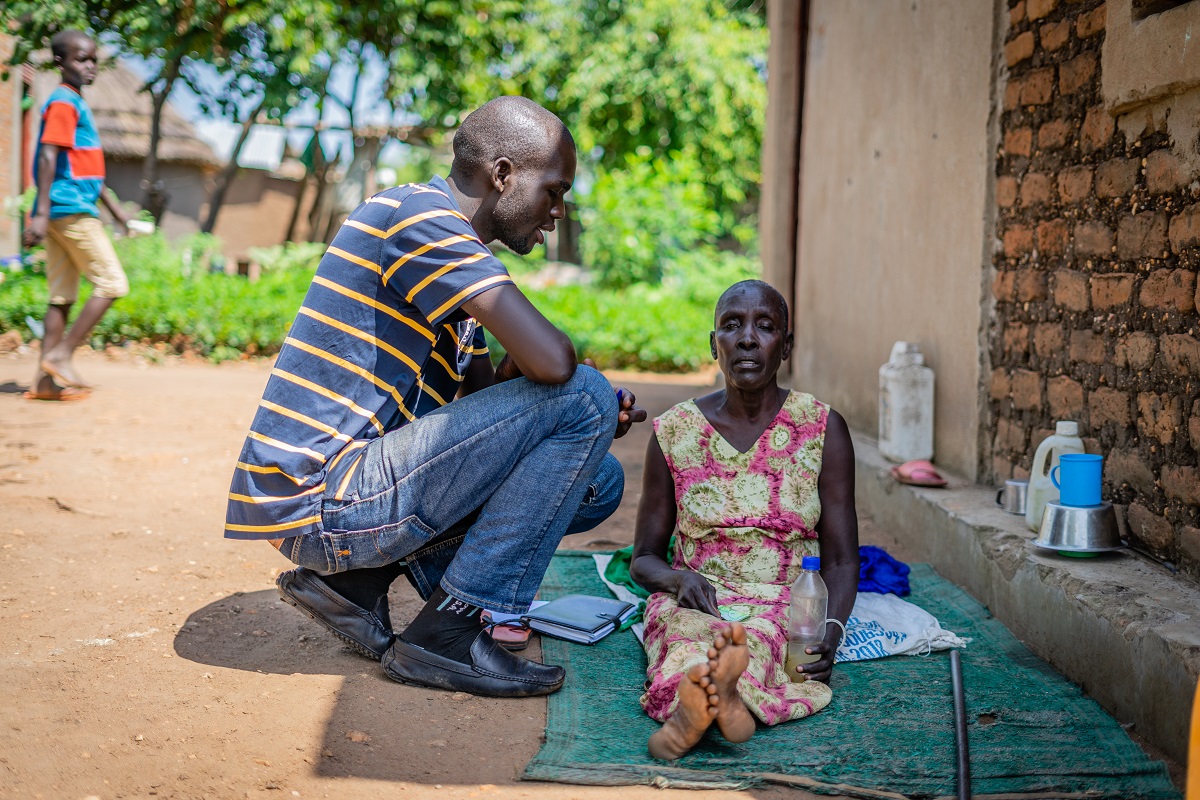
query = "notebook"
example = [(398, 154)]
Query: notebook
[(579, 618)]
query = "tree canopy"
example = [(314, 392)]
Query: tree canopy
[(656, 92)]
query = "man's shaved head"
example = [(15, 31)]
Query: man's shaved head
[(513, 127)]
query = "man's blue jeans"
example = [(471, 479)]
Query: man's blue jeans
[(477, 495)]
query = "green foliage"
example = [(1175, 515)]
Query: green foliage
[(211, 313), (20, 205), (654, 328), (662, 328), (287, 256), (654, 77), (637, 217), (519, 266)]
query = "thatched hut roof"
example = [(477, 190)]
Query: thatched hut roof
[(122, 113)]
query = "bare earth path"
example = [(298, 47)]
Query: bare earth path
[(144, 655)]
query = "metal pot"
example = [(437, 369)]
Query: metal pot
[(1011, 497), (1079, 530)]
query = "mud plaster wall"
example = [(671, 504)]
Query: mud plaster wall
[(10, 150), (895, 172), (1097, 316)]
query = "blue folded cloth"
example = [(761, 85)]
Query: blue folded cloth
[(879, 572)]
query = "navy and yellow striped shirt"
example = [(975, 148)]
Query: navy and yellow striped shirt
[(379, 340)]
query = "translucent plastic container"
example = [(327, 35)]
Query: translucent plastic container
[(1042, 490), (906, 405), (806, 617)]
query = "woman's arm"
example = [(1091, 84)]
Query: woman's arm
[(837, 532), (655, 524)]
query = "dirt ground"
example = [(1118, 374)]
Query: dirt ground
[(149, 657)]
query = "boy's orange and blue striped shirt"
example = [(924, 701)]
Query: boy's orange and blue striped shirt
[(379, 341), (67, 123)]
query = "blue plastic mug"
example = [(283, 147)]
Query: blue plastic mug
[(1077, 478)]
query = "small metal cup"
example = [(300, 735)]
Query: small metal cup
[(1011, 497)]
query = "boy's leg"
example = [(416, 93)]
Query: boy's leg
[(86, 244), (62, 282), (54, 325)]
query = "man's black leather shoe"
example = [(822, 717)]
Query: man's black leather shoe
[(364, 631), (493, 671)]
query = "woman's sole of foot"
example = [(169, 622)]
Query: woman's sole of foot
[(727, 661), (695, 713)]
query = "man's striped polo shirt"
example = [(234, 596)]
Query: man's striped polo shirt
[(379, 340)]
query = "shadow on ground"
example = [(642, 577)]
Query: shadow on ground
[(376, 724)]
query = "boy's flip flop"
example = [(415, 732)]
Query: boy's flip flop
[(61, 396), (917, 473)]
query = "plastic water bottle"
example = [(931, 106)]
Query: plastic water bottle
[(906, 405), (1041, 489), (806, 618)]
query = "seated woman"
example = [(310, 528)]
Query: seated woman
[(752, 478)]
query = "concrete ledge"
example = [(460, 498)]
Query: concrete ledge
[(1119, 625)]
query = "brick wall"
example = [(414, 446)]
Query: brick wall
[(1097, 313)]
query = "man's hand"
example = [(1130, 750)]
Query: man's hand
[(35, 233), (628, 414), (694, 591)]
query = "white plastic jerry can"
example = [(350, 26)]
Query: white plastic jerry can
[(1042, 490), (906, 405)]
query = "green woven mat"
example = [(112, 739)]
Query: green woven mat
[(889, 731)]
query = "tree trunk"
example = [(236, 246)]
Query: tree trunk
[(311, 168), (290, 236), (154, 198), (226, 176), (315, 214)]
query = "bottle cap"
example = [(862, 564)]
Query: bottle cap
[(810, 562), (1066, 428)]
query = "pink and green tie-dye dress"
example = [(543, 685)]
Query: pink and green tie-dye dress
[(744, 520)]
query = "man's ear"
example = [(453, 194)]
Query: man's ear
[(712, 344), (788, 341), (502, 170)]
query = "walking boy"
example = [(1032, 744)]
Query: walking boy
[(69, 173)]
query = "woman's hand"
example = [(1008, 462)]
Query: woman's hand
[(695, 592), (822, 668)]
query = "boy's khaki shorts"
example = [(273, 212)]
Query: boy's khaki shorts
[(77, 245)]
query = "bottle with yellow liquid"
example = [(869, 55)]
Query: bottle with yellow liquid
[(806, 617)]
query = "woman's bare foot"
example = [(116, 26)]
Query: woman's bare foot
[(727, 660), (695, 713)]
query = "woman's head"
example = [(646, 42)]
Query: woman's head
[(750, 338)]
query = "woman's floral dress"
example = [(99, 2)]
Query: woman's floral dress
[(745, 521)]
